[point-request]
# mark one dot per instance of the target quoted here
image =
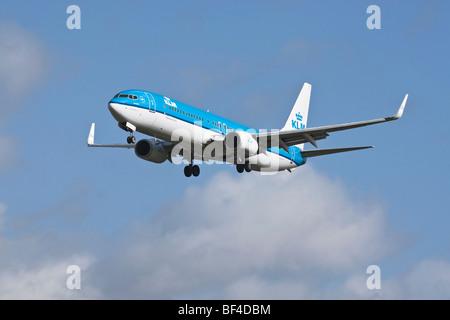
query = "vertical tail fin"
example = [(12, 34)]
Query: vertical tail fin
[(299, 115)]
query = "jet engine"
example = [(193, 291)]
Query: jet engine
[(243, 142), (151, 150)]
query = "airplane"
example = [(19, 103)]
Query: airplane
[(180, 130)]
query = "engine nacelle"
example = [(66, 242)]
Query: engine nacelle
[(243, 142), (151, 150)]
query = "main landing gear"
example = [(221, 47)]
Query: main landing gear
[(240, 167), (128, 127), (193, 170)]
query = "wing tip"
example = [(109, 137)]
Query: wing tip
[(399, 113), (90, 140)]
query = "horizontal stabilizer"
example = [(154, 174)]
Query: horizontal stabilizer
[(323, 152)]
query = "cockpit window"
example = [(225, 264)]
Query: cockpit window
[(129, 96)]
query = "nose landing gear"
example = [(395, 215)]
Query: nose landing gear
[(131, 139), (128, 127)]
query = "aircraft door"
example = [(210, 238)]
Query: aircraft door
[(151, 102), (147, 100)]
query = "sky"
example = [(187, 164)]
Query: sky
[(140, 230)]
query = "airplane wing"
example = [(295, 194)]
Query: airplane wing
[(294, 137), (90, 141)]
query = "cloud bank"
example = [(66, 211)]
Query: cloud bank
[(288, 236), (232, 239)]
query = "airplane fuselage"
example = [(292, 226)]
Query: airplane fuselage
[(194, 129)]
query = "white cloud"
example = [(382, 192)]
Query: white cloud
[(45, 281), (428, 279), (253, 236), (258, 288), (34, 266), (288, 236), (22, 58)]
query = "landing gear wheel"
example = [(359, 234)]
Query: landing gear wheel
[(131, 140), (240, 167), (188, 171), (195, 171), (247, 167)]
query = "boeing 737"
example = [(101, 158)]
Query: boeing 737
[(180, 130)]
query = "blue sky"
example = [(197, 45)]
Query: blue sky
[(62, 203)]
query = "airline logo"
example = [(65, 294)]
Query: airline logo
[(169, 102), (297, 124)]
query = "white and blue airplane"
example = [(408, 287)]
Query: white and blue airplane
[(178, 129)]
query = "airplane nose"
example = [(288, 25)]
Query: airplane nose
[(114, 108)]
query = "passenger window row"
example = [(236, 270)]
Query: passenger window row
[(185, 113), (216, 124)]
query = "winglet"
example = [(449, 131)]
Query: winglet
[(399, 113), (90, 140)]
